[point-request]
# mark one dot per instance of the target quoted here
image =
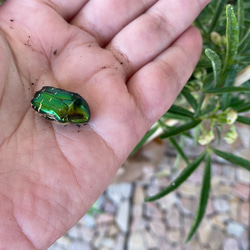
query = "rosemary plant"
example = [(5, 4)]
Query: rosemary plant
[(215, 98)]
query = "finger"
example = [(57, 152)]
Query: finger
[(154, 31), (157, 84), (66, 9), (103, 19)]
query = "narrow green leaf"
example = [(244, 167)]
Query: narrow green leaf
[(230, 78), (240, 13), (238, 161), (243, 107), (174, 109), (218, 11), (176, 117), (226, 90), (197, 130), (204, 196), (180, 129), (178, 149), (180, 179), (243, 119), (229, 81), (190, 98), (216, 64), (244, 42), (232, 35), (197, 111), (200, 26), (144, 139)]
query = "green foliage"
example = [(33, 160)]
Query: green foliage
[(180, 179), (204, 195), (215, 97)]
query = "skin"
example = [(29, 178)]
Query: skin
[(128, 59)]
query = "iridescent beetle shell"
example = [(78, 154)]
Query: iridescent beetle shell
[(61, 106)]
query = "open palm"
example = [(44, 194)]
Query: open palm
[(124, 58)]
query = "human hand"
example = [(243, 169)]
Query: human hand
[(128, 59)]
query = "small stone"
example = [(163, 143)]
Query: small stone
[(235, 229), (137, 210), (138, 224), (164, 245), (109, 207), (151, 210), (220, 220), (216, 238), (173, 218), (87, 220), (234, 208), (187, 225), (244, 136), (210, 207), (167, 201), (152, 242), (241, 190), (243, 176), (221, 205), (79, 245), (217, 170), (139, 195), (137, 241), (157, 227), (196, 176), (102, 230), (118, 192), (188, 190), (122, 217), (244, 213), (222, 190), (216, 181), (244, 240), (108, 243), (161, 180), (86, 234), (104, 218), (204, 230), (192, 245), (74, 233), (97, 241), (188, 206), (148, 172), (229, 174), (153, 189), (174, 236), (120, 243), (230, 243), (113, 230)]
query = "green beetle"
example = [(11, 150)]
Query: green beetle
[(61, 106)]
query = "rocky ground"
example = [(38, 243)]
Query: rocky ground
[(128, 223)]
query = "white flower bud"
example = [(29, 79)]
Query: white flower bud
[(231, 116), (231, 135), (215, 38), (206, 137)]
